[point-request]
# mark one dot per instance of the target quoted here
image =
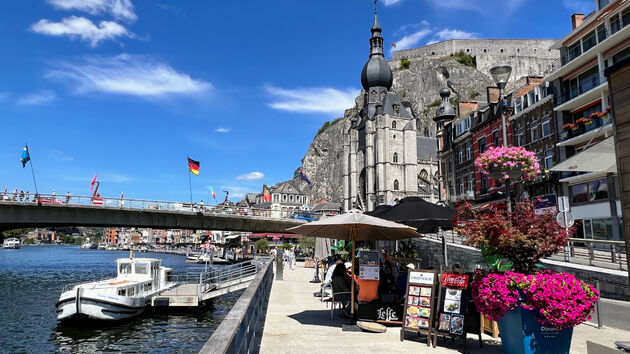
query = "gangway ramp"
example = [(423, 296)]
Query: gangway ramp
[(194, 289)]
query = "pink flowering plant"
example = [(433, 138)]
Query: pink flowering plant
[(508, 158), (560, 299), (512, 243)]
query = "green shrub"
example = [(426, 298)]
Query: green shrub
[(465, 59), (404, 63), (262, 245)]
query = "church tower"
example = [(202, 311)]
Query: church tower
[(380, 146)]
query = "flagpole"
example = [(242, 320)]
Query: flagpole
[(30, 159), (190, 185)]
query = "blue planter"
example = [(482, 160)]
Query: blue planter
[(522, 334)]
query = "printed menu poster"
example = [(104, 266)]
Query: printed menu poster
[(453, 297), (369, 265)]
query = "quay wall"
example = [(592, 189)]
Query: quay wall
[(613, 283), (241, 330)]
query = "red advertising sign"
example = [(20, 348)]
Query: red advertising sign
[(454, 280)]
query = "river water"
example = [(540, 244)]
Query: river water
[(31, 279)]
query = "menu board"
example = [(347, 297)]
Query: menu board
[(453, 296), (418, 313), (369, 266)]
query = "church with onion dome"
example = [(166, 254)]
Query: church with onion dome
[(380, 144)]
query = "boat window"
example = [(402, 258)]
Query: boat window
[(147, 287), (122, 292), (131, 291), (169, 276), (125, 268), (141, 268)]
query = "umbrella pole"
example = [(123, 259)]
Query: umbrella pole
[(353, 237)]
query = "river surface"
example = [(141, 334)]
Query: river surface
[(31, 280)]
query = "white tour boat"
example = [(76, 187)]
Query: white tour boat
[(125, 296), (11, 243)]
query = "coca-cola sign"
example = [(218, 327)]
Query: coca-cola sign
[(455, 280)]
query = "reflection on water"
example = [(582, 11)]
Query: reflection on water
[(31, 280)]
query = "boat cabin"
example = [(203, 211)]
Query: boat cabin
[(140, 276)]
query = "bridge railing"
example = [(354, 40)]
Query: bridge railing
[(62, 200)]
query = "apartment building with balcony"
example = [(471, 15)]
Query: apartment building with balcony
[(534, 128), (595, 43)]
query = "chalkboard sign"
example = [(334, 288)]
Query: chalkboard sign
[(451, 305), (419, 304)]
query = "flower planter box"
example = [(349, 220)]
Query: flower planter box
[(490, 327), (522, 334)]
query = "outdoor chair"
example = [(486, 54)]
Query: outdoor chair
[(325, 295), (338, 299)]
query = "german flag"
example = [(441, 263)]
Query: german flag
[(193, 166)]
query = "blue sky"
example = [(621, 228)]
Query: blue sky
[(128, 88)]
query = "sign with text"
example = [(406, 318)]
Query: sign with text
[(419, 304), (369, 265), (454, 280)]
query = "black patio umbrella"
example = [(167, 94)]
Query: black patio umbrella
[(416, 212)]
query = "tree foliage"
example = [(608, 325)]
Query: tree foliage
[(307, 244), (522, 237), (262, 245), (465, 59)]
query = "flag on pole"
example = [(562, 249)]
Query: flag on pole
[(304, 178), (266, 193), (193, 166), (214, 195), (394, 45), (93, 181), (26, 157)]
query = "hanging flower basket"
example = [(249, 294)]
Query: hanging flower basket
[(508, 162)]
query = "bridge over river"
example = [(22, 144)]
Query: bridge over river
[(56, 211)]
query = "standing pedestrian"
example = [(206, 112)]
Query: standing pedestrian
[(54, 195), (15, 194), (27, 196), (120, 202), (5, 190), (21, 195), (68, 198)]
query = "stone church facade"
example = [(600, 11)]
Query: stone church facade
[(380, 144)]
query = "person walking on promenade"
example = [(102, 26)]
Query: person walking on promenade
[(15, 194), (120, 202), (54, 195), (21, 196), (5, 191), (28, 194), (68, 198)]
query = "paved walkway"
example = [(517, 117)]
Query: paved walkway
[(297, 322)]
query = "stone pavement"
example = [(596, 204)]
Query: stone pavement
[(297, 322)]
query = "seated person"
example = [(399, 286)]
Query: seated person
[(368, 289), (329, 273), (339, 284)]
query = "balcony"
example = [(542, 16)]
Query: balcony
[(577, 57), (585, 132), (582, 96)]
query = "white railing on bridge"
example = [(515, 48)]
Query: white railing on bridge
[(143, 204)]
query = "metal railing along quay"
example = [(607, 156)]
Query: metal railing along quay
[(597, 253)]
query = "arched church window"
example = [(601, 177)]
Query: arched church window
[(373, 96), (424, 175), (395, 157), (396, 185), (383, 94), (394, 125)]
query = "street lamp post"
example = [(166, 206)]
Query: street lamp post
[(445, 113), (501, 74)]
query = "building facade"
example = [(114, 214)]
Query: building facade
[(380, 144)]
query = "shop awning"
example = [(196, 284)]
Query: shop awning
[(597, 158)]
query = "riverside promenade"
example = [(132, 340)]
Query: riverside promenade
[(297, 322)]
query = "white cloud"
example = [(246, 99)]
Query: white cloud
[(412, 40), (313, 100), (447, 34), (60, 155), (390, 2), (485, 7), (127, 75), (83, 28), (119, 9), (252, 176), (579, 6), (223, 130), (37, 98)]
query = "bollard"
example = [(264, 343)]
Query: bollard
[(599, 317), (279, 266)]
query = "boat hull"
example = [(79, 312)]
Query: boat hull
[(69, 308)]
